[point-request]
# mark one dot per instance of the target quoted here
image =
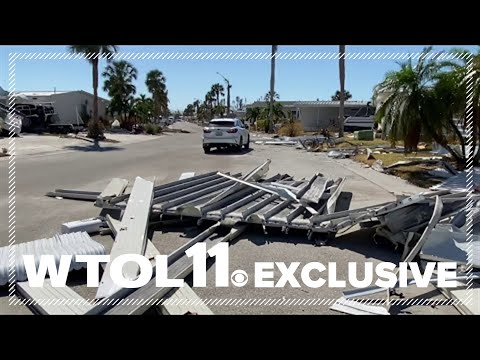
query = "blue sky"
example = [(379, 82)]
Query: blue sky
[(190, 79)]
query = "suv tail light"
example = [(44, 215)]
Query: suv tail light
[(232, 130), (207, 130)]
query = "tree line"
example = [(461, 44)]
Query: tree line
[(118, 83), (213, 104), (429, 101), (426, 99)]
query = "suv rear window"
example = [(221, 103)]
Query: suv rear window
[(225, 123)]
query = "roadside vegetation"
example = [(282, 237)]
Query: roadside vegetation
[(428, 101), (118, 81)]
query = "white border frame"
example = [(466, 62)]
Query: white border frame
[(186, 56)]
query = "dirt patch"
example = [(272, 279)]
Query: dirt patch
[(416, 174)]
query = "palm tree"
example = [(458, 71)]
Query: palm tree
[(196, 105), (276, 96), (119, 77), (455, 95), (143, 107), (156, 85), (189, 110), (209, 100), (341, 65), (219, 110), (405, 109), (272, 87), (93, 52), (253, 114), (218, 90), (276, 113), (336, 97)]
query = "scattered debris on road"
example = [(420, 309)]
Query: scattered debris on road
[(429, 226)]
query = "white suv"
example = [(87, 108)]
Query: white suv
[(225, 133)]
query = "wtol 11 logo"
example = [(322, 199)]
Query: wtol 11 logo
[(388, 275)]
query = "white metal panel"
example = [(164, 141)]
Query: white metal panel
[(132, 237), (73, 244)]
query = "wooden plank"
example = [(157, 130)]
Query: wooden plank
[(139, 300), (49, 300), (132, 237)]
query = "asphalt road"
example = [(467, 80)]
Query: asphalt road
[(164, 159)]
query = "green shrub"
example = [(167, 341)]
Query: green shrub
[(292, 129), (152, 129), (260, 125)]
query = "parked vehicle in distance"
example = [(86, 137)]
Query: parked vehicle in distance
[(354, 123), (225, 133), (364, 119), (10, 121)]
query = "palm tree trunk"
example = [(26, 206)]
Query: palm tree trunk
[(341, 111), (95, 130), (228, 98), (95, 89), (272, 88)]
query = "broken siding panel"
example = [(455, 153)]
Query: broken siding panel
[(65, 244), (132, 237), (91, 225)]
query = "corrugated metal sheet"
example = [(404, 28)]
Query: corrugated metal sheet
[(459, 182), (212, 197), (79, 243)]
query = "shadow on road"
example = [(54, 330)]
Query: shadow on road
[(229, 151), (93, 147), (361, 242)]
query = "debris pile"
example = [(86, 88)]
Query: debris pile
[(430, 225)]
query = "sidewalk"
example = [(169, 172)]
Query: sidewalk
[(33, 144)]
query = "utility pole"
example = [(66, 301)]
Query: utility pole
[(272, 87), (228, 92)]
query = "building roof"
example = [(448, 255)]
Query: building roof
[(41, 93), (57, 92), (310, 103)]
